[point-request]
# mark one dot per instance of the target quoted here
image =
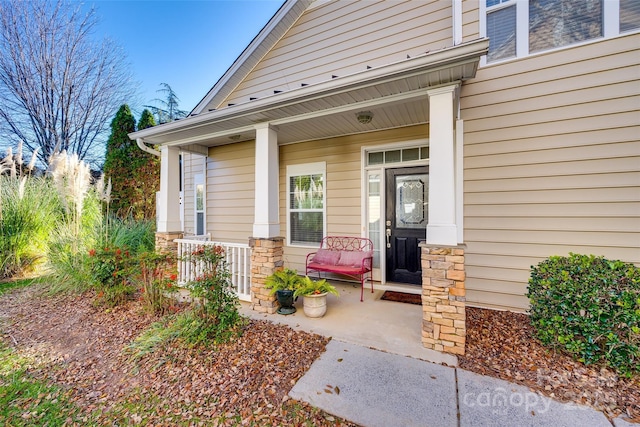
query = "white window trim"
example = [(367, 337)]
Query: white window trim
[(364, 186), (306, 169), (611, 28), (197, 180)]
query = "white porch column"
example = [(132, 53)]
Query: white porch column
[(169, 195), (266, 219), (441, 229)]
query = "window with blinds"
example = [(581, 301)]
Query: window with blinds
[(501, 30), (629, 15), (522, 27), (306, 204)]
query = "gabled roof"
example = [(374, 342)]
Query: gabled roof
[(394, 92), (266, 39)]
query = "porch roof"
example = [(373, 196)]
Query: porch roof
[(396, 94)]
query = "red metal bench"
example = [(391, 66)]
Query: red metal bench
[(349, 256)]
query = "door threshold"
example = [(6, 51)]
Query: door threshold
[(399, 287)]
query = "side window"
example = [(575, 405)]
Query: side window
[(198, 186), (306, 204)]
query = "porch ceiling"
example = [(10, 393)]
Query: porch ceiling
[(396, 95)]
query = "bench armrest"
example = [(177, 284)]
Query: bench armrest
[(309, 255), (367, 263)]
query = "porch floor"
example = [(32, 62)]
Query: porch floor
[(388, 326)]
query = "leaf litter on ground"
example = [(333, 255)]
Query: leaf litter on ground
[(91, 353)]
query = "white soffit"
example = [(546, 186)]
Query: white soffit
[(402, 83)]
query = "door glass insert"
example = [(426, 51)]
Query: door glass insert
[(411, 201)]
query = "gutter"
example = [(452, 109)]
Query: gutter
[(146, 148), (470, 51)]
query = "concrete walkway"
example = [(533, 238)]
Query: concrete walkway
[(378, 389), (375, 372)]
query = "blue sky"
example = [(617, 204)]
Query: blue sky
[(187, 44)]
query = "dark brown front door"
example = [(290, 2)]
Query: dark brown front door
[(406, 222)]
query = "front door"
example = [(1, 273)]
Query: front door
[(406, 222)]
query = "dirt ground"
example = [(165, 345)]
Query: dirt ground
[(82, 348)]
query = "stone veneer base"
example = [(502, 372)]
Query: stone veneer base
[(165, 241), (266, 258), (443, 299)]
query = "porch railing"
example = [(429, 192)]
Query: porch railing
[(238, 257)]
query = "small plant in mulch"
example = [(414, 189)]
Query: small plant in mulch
[(157, 281), (112, 272), (588, 307), (215, 317)]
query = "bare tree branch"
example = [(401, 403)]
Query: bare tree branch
[(59, 89)]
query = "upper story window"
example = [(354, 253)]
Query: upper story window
[(520, 27), (629, 15)]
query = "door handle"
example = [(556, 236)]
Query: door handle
[(388, 238)]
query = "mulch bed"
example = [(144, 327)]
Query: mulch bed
[(502, 344), (82, 348)]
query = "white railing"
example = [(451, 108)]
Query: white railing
[(238, 257)]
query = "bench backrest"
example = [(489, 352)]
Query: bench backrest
[(346, 243)]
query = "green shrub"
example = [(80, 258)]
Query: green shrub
[(157, 281), (589, 307), (215, 317), (112, 273)]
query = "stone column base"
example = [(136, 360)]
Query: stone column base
[(443, 299), (266, 258), (165, 241)]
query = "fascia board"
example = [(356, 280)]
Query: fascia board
[(462, 53)]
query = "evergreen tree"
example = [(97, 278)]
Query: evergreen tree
[(169, 110), (148, 175), (122, 160), (146, 120)]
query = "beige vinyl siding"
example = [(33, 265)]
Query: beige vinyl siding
[(192, 165), (552, 164), (470, 22), (344, 37), (231, 192), (343, 181)]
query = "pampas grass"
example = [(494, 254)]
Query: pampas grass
[(72, 178), (29, 211)]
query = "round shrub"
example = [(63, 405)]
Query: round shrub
[(589, 307)]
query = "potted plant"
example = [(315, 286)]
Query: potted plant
[(283, 283), (315, 295)]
